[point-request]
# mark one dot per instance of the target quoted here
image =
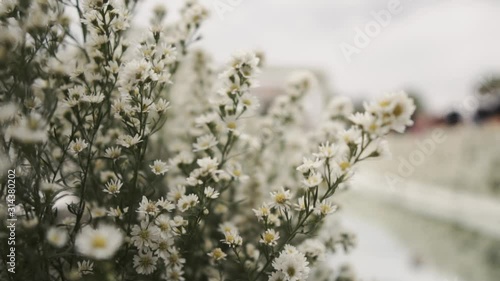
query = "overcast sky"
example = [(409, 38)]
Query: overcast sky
[(439, 48)]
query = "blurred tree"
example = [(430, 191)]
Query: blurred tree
[(490, 86)]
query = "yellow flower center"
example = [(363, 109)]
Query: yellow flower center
[(231, 125), (99, 242), (398, 110), (345, 165), (268, 237), (280, 198)]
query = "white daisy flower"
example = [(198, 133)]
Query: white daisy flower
[(324, 208), (281, 199), (145, 263), (113, 152), (313, 180), (117, 212), (262, 212), (186, 202), (174, 258), (145, 235), (175, 273), (159, 167), (292, 264), (147, 207), (205, 142), (57, 237), (326, 150), (217, 254), (207, 165), (176, 193), (232, 238), (340, 107), (270, 237), (100, 243), (113, 187), (128, 141), (77, 146), (85, 267), (309, 165), (211, 193)]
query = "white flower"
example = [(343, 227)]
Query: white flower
[(187, 201), (57, 237), (277, 276), (165, 204), (324, 208), (250, 102), (207, 165), (174, 273), (394, 109), (50, 187), (281, 199), (117, 212), (340, 107), (369, 123), (113, 187), (113, 152), (195, 14), (270, 237), (300, 83), (292, 264), (173, 258), (85, 267), (98, 212), (159, 167), (205, 142), (161, 105), (232, 238), (145, 235), (147, 207), (206, 119), (232, 123), (100, 243), (7, 111), (301, 204), (163, 223), (176, 193), (262, 212), (97, 98), (309, 165), (313, 180), (351, 136), (326, 151), (217, 254), (128, 141), (245, 62), (77, 146), (235, 170), (313, 249), (164, 244), (227, 227), (145, 263), (211, 193), (31, 129)]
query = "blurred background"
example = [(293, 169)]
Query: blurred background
[(432, 212)]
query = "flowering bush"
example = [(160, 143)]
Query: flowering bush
[(108, 181)]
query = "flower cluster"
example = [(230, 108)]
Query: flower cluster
[(134, 160)]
